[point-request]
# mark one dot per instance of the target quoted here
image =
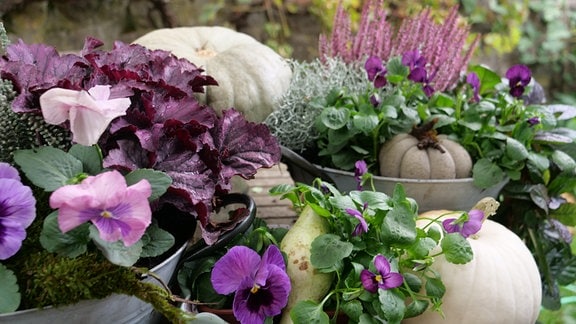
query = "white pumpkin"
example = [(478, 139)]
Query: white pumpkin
[(500, 285), (251, 76)]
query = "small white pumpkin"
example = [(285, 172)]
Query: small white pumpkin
[(500, 285), (250, 75), (402, 157)]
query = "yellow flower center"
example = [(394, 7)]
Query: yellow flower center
[(106, 214), (255, 289), (378, 278)]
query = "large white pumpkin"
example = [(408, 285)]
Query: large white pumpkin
[(500, 285), (251, 76)]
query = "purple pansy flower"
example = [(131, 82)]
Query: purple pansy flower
[(360, 169), (17, 210), (467, 224), (118, 211), (383, 279), (473, 80), (413, 59), (519, 77), (418, 73), (376, 71), (261, 285), (362, 227)]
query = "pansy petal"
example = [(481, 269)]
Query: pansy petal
[(8, 172), (367, 279), (56, 104), (237, 264), (382, 264), (272, 255), (392, 280)]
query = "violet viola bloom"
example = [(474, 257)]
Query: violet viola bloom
[(418, 73), (362, 227), (360, 169), (261, 285), (17, 210), (473, 80), (376, 71), (467, 224), (89, 112), (533, 121), (383, 279), (519, 77), (118, 211)]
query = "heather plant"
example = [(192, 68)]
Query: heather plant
[(442, 44)]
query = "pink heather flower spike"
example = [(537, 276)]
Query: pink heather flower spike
[(118, 211), (443, 45), (89, 112)]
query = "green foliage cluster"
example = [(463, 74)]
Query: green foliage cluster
[(391, 232)]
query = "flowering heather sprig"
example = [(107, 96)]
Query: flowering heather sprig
[(441, 44)]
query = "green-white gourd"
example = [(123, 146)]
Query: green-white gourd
[(307, 283), (250, 75)]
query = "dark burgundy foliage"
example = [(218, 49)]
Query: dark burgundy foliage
[(165, 128)]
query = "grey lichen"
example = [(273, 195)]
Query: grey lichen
[(292, 121)]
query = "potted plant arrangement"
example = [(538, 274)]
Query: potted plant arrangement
[(108, 163), (401, 98), (366, 257)]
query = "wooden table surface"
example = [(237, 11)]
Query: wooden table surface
[(272, 209)]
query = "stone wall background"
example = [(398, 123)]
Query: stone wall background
[(65, 23)]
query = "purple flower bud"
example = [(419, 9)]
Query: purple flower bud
[(473, 80)]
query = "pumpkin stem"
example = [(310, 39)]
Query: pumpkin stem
[(427, 136)]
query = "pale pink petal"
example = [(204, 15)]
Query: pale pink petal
[(56, 104)]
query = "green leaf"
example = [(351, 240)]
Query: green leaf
[(488, 78), (117, 252), (309, 312), (563, 161), (70, 244), (396, 69), (365, 123), (399, 226), (156, 241), (159, 181), (335, 118), (90, 156), (353, 309), (327, 251), (48, 167), (413, 281), (416, 308), (422, 247), (486, 173), (456, 248), (515, 150), (392, 305), (9, 294), (435, 288)]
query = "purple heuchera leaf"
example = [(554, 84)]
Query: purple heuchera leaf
[(165, 128)]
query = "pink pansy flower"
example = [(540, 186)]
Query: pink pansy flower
[(89, 112), (119, 212)]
